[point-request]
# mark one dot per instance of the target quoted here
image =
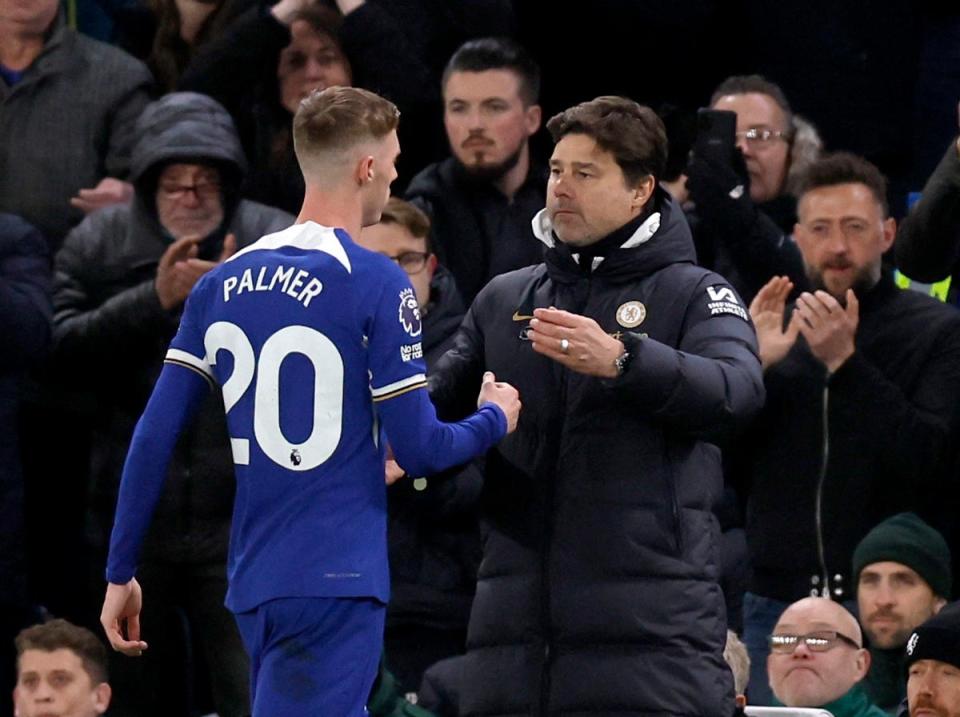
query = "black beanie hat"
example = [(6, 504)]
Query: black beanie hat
[(906, 539), (938, 638)]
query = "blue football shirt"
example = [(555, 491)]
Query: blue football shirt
[(306, 333)]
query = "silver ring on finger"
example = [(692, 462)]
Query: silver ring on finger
[(564, 346)]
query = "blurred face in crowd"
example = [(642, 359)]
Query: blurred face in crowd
[(410, 252), (767, 161), (189, 202), (488, 123), (805, 677), (312, 61), (842, 234), (933, 689), (28, 17), (893, 600), (385, 153), (587, 193), (55, 683)]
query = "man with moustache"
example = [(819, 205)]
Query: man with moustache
[(481, 199), (863, 381), (933, 666), (817, 659), (902, 572)]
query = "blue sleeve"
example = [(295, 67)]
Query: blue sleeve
[(183, 383), (424, 445), (174, 401)]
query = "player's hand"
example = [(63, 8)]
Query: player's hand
[(589, 349), (107, 192), (766, 310), (828, 327), (503, 395), (393, 471), (121, 616)]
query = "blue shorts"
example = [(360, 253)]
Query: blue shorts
[(312, 656)]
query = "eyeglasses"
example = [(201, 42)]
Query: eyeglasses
[(202, 190), (820, 641), (760, 136), (411, 262)]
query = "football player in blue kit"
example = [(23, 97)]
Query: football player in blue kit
[(315, 343)]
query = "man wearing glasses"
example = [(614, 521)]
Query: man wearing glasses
[(744, 211), (817, 659), (121, 280), (433, 530)]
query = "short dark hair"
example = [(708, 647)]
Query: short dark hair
[(408, 216), (754, 84), (844, 168), (631, 132), (59, 634), (497, 53), (338, 118)]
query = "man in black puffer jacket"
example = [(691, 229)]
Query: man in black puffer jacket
[(120, 281), (598, 590)]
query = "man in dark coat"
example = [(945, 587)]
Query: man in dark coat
[(481, 199), (121, 278), (863, 384), (597, 591)]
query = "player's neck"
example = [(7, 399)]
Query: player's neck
[(332, 209)]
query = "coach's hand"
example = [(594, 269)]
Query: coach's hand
[(575, 341), (503, 395), (121, 614)]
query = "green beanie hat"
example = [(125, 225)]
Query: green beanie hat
[(906, 539)]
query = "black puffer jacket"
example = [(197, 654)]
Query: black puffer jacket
[(598, 590), (111, 333)]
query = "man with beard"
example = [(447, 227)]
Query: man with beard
[(862, 384), (902, 573), (933, 666), (482, 199)]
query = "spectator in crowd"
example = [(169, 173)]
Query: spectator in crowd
[(481, 199), (863, 381), (817, 659), (61, 670), (902, 572), (933, 666), (928, 243), (167, 33), (120, 281), (269, 59), (745, 211), (25, 313), (67, 109), (735, 654), (598, 586), (433, 534)]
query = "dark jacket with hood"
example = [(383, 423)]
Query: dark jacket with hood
[(597, 591), (111, 333)]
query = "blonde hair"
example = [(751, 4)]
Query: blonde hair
[(332, 121)]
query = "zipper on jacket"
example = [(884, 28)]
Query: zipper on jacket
[(825, 460)]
